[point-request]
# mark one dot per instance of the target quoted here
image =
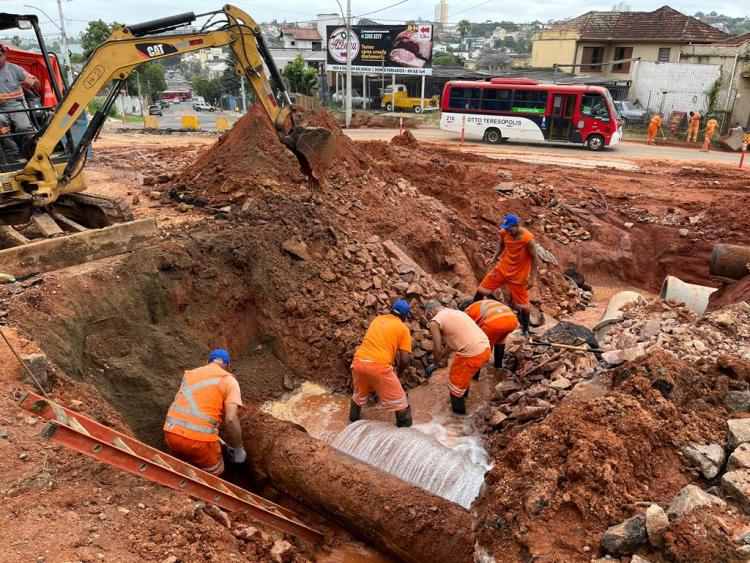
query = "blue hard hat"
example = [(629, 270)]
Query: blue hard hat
[(401, 307), (510, 220), (219, 354)]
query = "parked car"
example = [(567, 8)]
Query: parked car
[(357, 100), (203, 106), (155, 110), (631, 114)]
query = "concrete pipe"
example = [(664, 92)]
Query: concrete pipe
[(394, 516), (695, 297), (729, 262), (613, 313)]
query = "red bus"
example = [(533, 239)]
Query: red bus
[(177, 95), (506, 108)]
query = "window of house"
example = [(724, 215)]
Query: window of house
[(664, 54), (590, 58), (496, 99), (529, 101), (464, 98), (593, 105), (622, 53)]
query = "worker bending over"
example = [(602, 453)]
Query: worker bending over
[(207, 397), (387, 339), (710, 129), (694, 123), (516, 268), (496, 320), (653, 127), (455, 331)]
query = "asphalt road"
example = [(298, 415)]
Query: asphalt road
[(172, 117), (622, 155)]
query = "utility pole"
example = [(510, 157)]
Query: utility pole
[(64, 41), (348, 62)]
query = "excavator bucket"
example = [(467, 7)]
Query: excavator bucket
[(314, 147)]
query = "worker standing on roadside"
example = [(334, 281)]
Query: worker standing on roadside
[(694, 123), (208, 396), (653, 127), (710, 129), (516, 268), (387, 339), (455, 331), (496, 320)]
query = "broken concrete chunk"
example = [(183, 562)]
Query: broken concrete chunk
[(708, 459), (692, 498), (737, 401), (625, 538), (612, 357), (656, 524), (638, 559), (560, 383), (739, 431), (282, 551), (737, 484), (683, 232), (628, 225), (740, 458)]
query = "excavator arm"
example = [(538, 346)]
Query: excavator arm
[(128, 47)]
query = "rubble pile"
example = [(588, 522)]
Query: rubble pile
[(670, 326)]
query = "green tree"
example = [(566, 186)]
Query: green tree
[(229, 80), (207, 89), (96, 32), (298, 78), (151, 78), (15, 41), (463, 28), (446, 59)]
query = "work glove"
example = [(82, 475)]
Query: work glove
[(236, 455), (429, 370)]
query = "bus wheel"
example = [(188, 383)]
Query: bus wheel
[(388, 107), (595, 142), (417, 109), (493, 136)]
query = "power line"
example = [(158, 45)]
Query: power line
[(382, 9)]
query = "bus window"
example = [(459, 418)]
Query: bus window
[(495, 99), (530, 101), (464, 98), (593, 105)]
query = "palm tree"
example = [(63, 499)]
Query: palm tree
[(464, 27)]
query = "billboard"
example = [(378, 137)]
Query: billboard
[(386, 49)]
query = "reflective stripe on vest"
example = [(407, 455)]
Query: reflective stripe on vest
[(15, 95), (187, 392), (170, 421), (488, 308)]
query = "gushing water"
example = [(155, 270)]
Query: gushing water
[(416, 457)]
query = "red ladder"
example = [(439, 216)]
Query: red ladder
[(119, 450)]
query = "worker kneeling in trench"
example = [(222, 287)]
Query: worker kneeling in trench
[(386, 338), (207, 396)]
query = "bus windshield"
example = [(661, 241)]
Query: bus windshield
[(611, 104)]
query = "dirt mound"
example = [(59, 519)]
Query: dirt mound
[(405, 140), (562, 482), (730, 293)]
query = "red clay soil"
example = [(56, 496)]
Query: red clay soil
[(562, 482), (730, 293), (405, 140)]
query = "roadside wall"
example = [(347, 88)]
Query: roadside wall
[(666, 87)]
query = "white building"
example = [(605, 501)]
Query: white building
[(301, 38), (324, 20), (441, 13)]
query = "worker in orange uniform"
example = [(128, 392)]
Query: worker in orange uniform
[(387, 339), (710, 129), (694, 123), (496, 320), (207, 397), (516, 268), (653, 126), (455, 331)]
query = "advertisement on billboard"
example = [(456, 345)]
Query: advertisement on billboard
[(387, 49)]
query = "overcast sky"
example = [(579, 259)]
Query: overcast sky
[(79, 12)]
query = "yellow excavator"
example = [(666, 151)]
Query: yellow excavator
[(49, 177)]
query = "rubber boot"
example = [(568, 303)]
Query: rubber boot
[(478, 296), (403, 418), (458, 404), (355, 411), (523, 316), (499, 352)]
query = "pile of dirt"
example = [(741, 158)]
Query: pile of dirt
[(561, 482), (405, 140), (730, 293)]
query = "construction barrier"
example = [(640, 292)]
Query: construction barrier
[(150, 122), (190, 122), (223, 124)]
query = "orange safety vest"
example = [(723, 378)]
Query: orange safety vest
[(198, 408), (487, 311)]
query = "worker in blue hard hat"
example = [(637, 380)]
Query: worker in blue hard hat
[(208, 399), (387, 340)]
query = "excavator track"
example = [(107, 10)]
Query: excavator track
[(93, 211)]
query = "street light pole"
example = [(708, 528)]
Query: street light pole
[(348, 62)]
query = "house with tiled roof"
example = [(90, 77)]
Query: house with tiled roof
[(301, 38), (592, 43), (733, 54)]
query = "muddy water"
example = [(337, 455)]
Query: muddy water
[(441, 453)]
